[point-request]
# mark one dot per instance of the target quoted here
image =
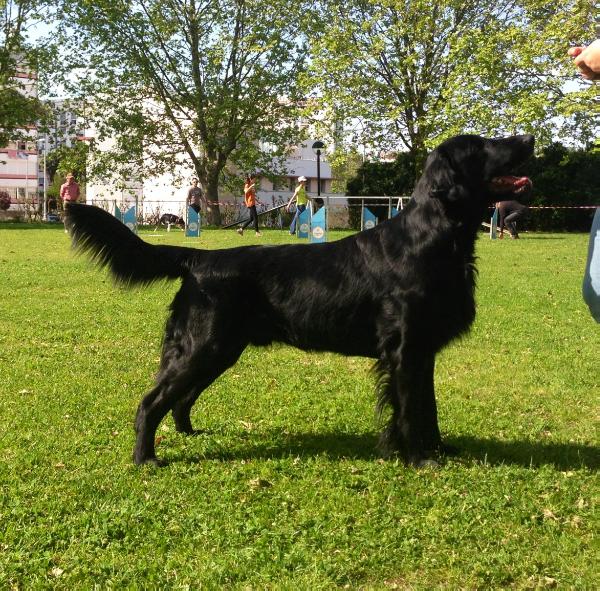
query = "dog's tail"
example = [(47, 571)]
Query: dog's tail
[(112, 244)]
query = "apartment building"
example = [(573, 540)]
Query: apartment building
[(19, 159)]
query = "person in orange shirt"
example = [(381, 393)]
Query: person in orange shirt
[(250, 199)]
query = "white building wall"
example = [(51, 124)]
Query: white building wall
[(167, 194)]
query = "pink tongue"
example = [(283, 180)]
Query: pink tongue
[(514, 181)]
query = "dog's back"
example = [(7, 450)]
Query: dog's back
[(167, 219)]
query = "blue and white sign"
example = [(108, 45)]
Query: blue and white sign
[(494, 225), (303, 223), (368, 218), (318, 226), (192, 227), (130, 219)]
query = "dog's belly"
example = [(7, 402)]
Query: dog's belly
[(349, 345), (345, 334)]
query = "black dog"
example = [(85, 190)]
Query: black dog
[(170, 219), (397, 293)]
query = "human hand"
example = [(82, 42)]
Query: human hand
[(587, 59)]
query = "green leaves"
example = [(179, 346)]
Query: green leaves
[(203, 78), (20, 109), (417, 72)]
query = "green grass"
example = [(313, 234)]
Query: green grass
[(285, 490)]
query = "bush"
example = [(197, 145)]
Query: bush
[(4, 200), (381, 179), (562, 177), (565, 178)]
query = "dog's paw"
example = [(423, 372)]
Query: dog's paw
[(192, 432), (427, 463), (446, 449), (149, 461)]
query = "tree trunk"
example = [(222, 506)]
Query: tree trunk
[(419, 152), (212, 198), (420, 155)]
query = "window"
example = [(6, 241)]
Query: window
[(278, 184)]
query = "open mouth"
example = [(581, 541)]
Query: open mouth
[(510, 184)]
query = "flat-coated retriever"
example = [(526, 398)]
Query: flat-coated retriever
[(397, 293)]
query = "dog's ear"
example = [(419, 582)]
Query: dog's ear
[(441, 178)]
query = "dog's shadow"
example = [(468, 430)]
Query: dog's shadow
[(529, 454)]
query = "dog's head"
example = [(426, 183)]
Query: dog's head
[(473, 168)]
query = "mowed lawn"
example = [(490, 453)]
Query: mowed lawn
[(285, 488)]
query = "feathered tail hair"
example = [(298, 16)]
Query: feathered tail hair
[(112, 244)]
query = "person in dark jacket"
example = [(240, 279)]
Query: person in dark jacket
[(508, 214)]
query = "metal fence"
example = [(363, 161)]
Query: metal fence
[(343, 211)]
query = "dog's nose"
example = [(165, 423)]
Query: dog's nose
[(528, 139)]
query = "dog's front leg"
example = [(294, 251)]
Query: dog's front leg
[(432, 439), (430, 432), (412, 429)]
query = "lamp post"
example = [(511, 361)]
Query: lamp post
[(317, 148), (42, 143)]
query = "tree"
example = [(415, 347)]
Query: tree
[(64, 159), (4, 200), (391, 179), (344, 166), (18, 112), (418, 71), (564, 177), (215, 80)]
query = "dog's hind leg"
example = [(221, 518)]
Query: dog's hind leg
[(207, 371), (155, 405), (200, 344), (176, 390)]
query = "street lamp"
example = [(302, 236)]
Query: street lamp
[(317, 148), (42, 142)]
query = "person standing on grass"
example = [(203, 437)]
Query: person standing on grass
[(587, 59), (69, 192), (301, 198), (250, 200), (508, 214), (194, 196)]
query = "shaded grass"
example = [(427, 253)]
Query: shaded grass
[(285, 489)]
